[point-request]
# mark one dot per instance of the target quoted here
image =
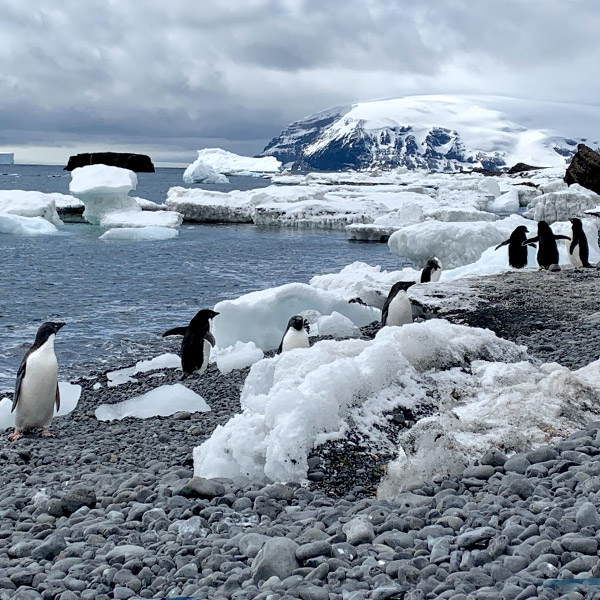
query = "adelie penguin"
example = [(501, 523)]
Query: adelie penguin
[(36, 390), (577, 248), (547, 254), (197, 342), (397, 309), (296, 335), (432, 270), (517, 247)]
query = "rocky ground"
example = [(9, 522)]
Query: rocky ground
[(109, 510)]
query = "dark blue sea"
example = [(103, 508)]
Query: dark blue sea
[(115, 297)]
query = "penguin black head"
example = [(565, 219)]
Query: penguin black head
[(577, 224), (46, 330), (544, 228), (521, 230), (434, 263), (298, 322), (202, 317), (400, 286)]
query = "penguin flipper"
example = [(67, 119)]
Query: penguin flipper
[(175, 331), (210, 338), (504, 243), (572, 246), (562, 237), (531, 240), (57, 399), (20, 375)]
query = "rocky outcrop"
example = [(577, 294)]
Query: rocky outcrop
[(520, 167), (138, 163), (585, 169)]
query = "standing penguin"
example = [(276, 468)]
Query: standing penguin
[(578, 249), (397, 309), (36, 390), (197, 342), (432, 270), (547, 253), (517, 247), (296, 335)]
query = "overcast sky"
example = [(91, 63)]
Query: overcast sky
[(167, 77)]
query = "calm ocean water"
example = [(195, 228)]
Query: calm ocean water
[(116, 296)]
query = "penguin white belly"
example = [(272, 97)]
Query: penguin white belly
[(400, 310), (205, 357), (574, 258), (435, 274), (295, 339), (37, 395)]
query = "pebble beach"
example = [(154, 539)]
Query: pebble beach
[(112, 510)]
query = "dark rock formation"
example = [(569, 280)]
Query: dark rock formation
[(520, 167), (139, 163), (585, 169)]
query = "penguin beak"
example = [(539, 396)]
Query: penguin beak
[(58, 326)]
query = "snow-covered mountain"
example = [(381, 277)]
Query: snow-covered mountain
[(440, 133)]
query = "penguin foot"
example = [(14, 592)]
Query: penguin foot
[(16, 435), (47, 433)]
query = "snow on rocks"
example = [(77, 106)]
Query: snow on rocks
[(105, 191), (162, 401), (228, 163), (202, 172), (261, 317), (301, 398)]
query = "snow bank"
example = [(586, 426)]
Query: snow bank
[(103, 189), (297, 400), (202, 172), (238, 356), (140, 234), (562, 204), (164, 361), (456, 244), (261, 317), (18, 225), (229, 163), (30, 204), (69, 397), (160, 402)]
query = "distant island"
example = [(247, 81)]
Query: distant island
[(138, 163), (7, 158)]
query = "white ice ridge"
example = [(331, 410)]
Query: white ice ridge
[(488, 396), (160, 402), (105, 191), (164, 361), (140, 234), (228, 163), (69, 397), (261, 317)]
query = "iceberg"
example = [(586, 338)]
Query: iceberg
[(228, 163), (18, 225), (30, 204), (201, 172), (140, 234)]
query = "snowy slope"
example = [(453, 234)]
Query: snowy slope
[(440, 133)]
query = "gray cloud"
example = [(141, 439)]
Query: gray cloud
[(181, 75)]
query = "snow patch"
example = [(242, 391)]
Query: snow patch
[(238, 356)]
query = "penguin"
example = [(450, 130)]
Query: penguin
[(517, 248), (432, 270), (397, 309), (547, 253), (36, 389), (296, 335), (578, 249), (197, 342)]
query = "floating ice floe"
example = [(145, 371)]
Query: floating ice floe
[(238, 356), (487, 395), (18, 225), (105, 191), (562, 204), (164, 361), (30, 204), (202, 172), (228, 163), (160, 402), (69, 397), (261, 317), (140, 234)]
